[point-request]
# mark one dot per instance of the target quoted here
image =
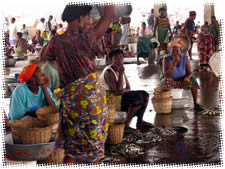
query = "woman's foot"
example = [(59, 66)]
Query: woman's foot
[(144, 125), (198, 107), (129, 130)]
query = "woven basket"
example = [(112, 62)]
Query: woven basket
[(112, 109), (115, 133), (7, 71), (30, 131), (162, 106), (57, 157), (48, 114), (162, 93), (162, 90)]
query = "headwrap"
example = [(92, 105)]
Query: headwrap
[(27, 73), (177, 42), (192, 13)]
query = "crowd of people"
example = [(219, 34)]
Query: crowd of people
[(20, 42), (69, 57)]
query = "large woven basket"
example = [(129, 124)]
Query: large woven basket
[(115, 133), (112, 109), (30, 131), (49, 114), (162, 106), (162, 93), (57, 157)]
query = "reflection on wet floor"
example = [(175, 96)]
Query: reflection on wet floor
[(201, 144)]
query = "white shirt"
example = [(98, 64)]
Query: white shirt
[(146, 33), (12, 31), (42, 26), (125, 32), (102, 77)]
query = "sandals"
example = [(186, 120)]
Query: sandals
[(145, 125), (129, 130), (198, 107)]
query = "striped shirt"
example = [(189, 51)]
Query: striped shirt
[(163, 22)]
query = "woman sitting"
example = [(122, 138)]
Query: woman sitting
[(28, 97), (177, 72), (118, 87), (37, 41), (144, 45), (21, 45)]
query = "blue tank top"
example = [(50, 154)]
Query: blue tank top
[(180, 71)]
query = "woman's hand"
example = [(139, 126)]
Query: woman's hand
[(186, 79), (45, 85), (121, 68)]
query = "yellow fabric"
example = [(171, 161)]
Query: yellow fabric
[(111, 98)]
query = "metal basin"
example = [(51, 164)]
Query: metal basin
[(121, 10), (27, 152), (120, 117), (10, 62), (12, 86)]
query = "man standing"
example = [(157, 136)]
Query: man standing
[(12, 32), (49, 24), (189, 27)]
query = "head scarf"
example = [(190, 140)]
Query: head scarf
[(192, 13), (27, 73), (177, 42)]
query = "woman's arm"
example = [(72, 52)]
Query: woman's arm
[(105, 21), (127, 85), (156, 24), (188, 69), (110, 79), (48, 99), (169, 69)]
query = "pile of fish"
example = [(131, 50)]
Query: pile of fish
[(108, 159), (133, 143), (211, 111)]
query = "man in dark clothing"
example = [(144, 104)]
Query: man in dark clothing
[(49, 22), (176, 27), (189, 27)]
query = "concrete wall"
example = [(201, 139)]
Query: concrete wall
[(157, 6), (208, 12)]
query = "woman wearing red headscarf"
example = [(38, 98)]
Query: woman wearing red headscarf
[(31, 95)]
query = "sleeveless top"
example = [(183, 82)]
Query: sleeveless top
[(102, 77), (180, 71), (163, 22)]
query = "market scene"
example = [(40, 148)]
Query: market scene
[(112, 84)]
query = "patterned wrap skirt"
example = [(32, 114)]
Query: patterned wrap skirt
[(83, 123), (172, 84)]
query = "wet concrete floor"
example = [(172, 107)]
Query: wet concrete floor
[(201, 144)]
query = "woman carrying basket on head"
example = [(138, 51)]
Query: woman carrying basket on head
[(83, 113)]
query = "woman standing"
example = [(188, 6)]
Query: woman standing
[(83, 112), (162, 26), (214, 29), (205, 47)]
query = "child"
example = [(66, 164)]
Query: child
[(162, 26)]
